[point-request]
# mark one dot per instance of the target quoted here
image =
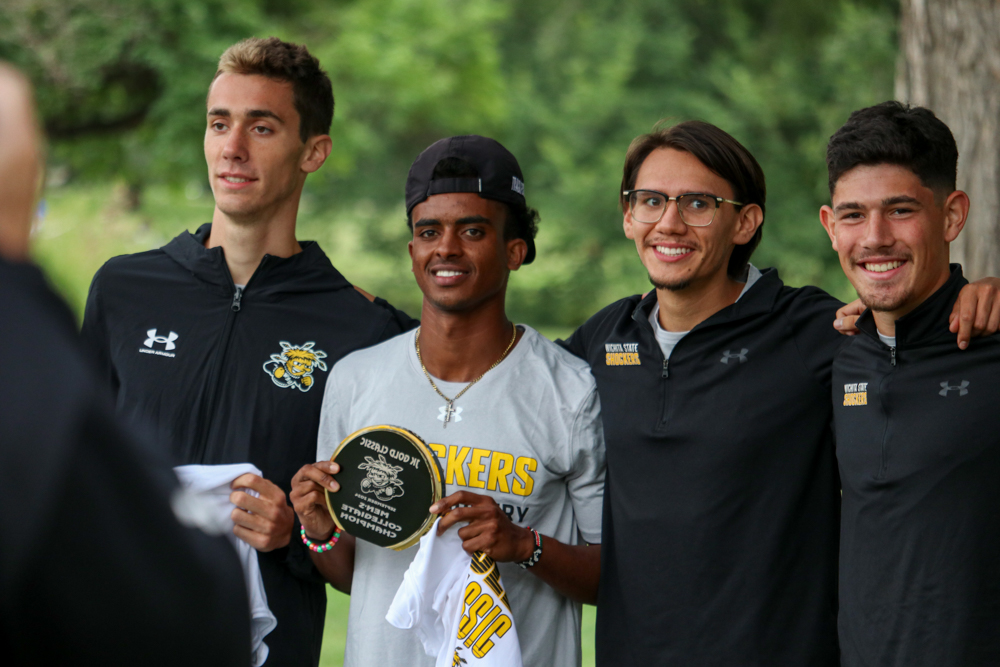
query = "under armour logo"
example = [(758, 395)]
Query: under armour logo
[(166, 341), (729, 354), (960, 388), (449, 413)]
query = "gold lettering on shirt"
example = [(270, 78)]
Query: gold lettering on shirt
[(454, 474), (621, 359), (523, 483), (486, 469), (501, 465), (856, 393), (476, 468)]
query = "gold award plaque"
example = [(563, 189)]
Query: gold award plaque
[(388, 479)]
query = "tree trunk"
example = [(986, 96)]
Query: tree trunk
[(949, 62)]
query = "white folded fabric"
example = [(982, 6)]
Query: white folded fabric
[(457, 605), (205, 503)]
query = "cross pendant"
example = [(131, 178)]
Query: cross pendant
[(449, 410)]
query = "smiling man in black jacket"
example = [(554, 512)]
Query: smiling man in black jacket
[(223, 338), (721, 507), (917, 421)]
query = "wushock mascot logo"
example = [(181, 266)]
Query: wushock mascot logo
[(295, 365), (381, 479)]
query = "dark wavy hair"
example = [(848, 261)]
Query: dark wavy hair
[(895, 133), (718, 151)]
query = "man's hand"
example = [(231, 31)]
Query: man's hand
[(265, 523), (309, 501), (977, 311), (847, 316), (489, 529)]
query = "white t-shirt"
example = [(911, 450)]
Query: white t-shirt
[(205, 504), (528, 435), (668, 339), (456, 604), (888, 340)]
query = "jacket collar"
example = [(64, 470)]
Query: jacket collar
[(928, 322), (759, 299), (309, 270)]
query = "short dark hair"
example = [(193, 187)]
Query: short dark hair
[(521, 221), (718, 151), (900, 134), (293, 63)]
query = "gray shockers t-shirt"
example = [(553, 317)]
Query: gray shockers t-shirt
[(528, 435)]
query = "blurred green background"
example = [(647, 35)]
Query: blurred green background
[(564, 84)]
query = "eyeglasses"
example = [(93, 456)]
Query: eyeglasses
[(696, 209)]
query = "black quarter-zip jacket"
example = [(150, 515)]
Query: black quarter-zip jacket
[(918, 445), (721, 509), (232, 376)]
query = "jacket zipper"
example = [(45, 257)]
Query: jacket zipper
[(664, 374), (883, 399), (220, 362)]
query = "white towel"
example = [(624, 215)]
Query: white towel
[(205, 503), (457, 605)]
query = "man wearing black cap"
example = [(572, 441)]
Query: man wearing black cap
[(513, 419)]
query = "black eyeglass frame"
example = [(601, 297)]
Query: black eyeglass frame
[(718, 204)]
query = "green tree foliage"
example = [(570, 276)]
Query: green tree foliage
[(565, 85), (121, 85)]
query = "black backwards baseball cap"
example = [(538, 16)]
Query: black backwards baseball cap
[(499, 177)]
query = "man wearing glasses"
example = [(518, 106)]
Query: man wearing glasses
[(721, 506)]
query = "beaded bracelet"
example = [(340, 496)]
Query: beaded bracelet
[(535, 555), (319, 548)]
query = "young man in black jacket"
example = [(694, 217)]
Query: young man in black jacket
[(721, 508), (94, 566), (917, 421), (223, 338)]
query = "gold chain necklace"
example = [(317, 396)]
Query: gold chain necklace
[(449, 409)]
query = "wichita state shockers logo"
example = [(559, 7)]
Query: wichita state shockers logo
[(295, 365), (381, 479)]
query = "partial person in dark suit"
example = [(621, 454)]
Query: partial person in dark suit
[(94, 566)]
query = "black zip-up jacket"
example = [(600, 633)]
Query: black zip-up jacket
[(94, 567), (232, 376), (918, 444), (719, 540)]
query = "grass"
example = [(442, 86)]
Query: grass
[(335, 634)]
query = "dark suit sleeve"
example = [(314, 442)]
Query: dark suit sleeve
[(102, 572), (95, 335)]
